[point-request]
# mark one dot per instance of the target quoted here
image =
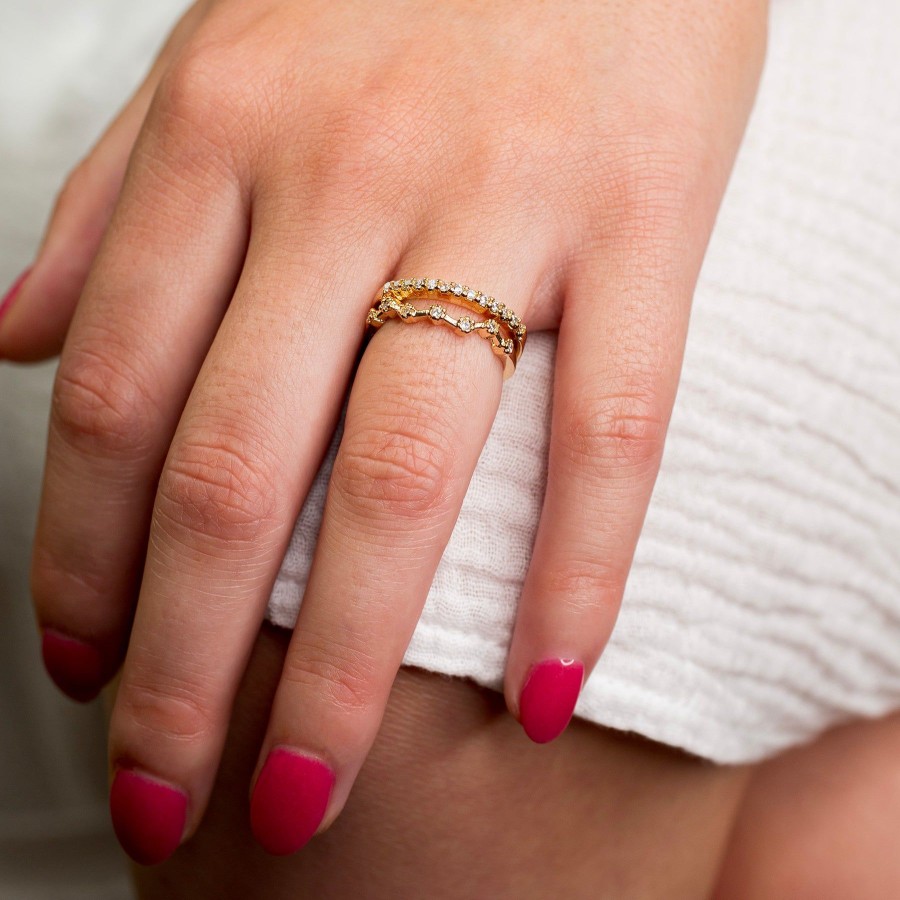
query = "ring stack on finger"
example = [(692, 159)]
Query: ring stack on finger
[(501, 326)]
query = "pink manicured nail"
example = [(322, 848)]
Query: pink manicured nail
[(289, 800), (11, 294), (548, 698), (75, 667), (148, 816)]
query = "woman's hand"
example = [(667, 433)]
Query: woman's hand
[(284, 159)]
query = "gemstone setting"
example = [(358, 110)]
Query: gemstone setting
[(503, 329)]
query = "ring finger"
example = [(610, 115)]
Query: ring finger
[(418, 416)]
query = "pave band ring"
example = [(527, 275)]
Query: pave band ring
[(501, 326)]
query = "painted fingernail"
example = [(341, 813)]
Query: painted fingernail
[(148, 816), (12, 293), (75, 667), (289, 800), (548, 698)]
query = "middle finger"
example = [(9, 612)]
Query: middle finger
[(243, 457)]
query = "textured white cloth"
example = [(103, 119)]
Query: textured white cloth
[(764, 602)]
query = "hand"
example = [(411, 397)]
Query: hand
[(284, 159)]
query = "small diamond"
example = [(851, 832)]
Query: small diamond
[(521, 328), (471, 295), (507, 346), (420, 283), (457, 289), (505, 312), (436, 312), (494, 306), (431, 284), (483, 300), (443, 286), (465, 324), (492, 327), (407, 310), (388, 286), (514, 320)]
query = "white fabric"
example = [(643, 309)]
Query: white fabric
[(764, 603)]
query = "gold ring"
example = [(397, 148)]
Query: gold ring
[(504, 330)]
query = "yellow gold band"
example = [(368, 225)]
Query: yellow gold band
[(502, 327)]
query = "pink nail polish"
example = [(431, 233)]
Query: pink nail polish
[(75, 667), (148, 816), (11, 294), (289, 800), (548, 698)]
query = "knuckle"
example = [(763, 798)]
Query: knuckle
[(99, 403), (649, 176), (393, 473), (213, 488), (195, 86), (344, 676), (200, 112), (362, 145), (360, 150), (621, 433), (167, 712), (648, 193), (580, 586)]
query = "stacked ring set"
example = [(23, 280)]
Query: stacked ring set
[(500, 326)]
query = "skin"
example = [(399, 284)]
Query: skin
[(820, 822), (440, 801), (203, 360), (453, 796)]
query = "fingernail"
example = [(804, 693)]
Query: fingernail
[(289, 800), (75, 667), (548, 698), (11, 294), (148, 816)]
